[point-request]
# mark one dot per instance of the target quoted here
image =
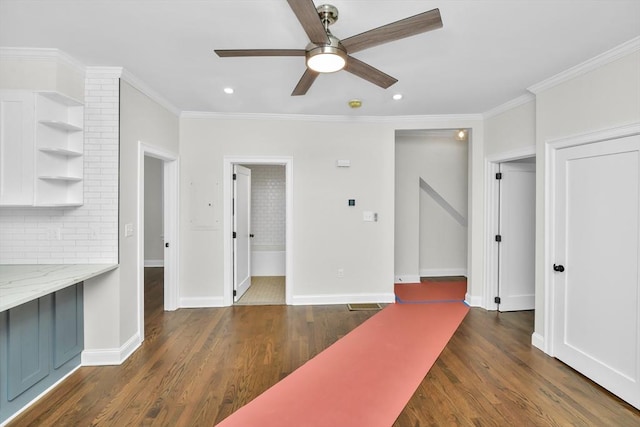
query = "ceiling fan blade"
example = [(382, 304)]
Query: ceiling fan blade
[(305, 82), (308, 16), (407, 27), (225, 53), (369, 73)]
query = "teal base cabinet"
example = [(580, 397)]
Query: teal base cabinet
[(40, 343)]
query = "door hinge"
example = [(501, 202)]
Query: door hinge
[(235, 176), (496, 300), (235, 293), (499, 175), (234, 234), (498, 238)]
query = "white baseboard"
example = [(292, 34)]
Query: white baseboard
[(443, 272), (473, 301), (154, 263), (406, 278), (201, 302), (537, 340), (111, 356), (342, 299)]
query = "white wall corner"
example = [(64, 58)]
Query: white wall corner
[(473, 300), (343, 299), (607, 57), (407, 278), (201, 302), (111, 356), (537, 340)]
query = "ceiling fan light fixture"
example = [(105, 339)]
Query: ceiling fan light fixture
[(327, 58)]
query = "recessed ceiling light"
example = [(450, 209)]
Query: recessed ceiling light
[(228, 90), (397, 97)]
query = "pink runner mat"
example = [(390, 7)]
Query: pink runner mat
[(364, 379)]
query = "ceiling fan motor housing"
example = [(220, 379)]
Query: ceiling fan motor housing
[(328, 14)]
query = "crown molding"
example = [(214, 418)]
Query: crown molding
[(331, 118), (509, 105), (134, 81), (108, 72), (41, 54), (611, 55)]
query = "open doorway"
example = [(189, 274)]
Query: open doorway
[(163, 196), (153, 236), (267, 229), (431, 204), (510, 215), (267, 236)]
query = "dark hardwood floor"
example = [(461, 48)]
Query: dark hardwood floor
[(197, 366)]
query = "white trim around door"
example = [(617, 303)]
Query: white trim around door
[(228, 162), (171, 180), (551, 147), (492, 166)]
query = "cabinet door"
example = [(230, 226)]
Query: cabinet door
[(28, 327), (68, 339), (16, 147)]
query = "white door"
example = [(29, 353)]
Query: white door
[(516, 268), (596, 314), (241, 230)]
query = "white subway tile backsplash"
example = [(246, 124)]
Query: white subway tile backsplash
[(268, 202)]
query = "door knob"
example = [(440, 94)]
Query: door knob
[(559, 268)]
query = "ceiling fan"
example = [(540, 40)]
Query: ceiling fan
[(326, 53)]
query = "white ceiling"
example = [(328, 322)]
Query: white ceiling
[(487, 53)]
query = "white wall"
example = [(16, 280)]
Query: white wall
[(428, 239), (141, 120), (328, 234), (606, 97), (512, 130), (153, 220), (111, 300)]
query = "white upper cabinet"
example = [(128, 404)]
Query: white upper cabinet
[(41, 145), (16, 148)]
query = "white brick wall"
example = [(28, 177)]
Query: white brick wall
[(268, 205), (86, 234)]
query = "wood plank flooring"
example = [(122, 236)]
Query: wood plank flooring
[(197, 366)]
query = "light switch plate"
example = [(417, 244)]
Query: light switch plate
[(369, 216), (128, 230)]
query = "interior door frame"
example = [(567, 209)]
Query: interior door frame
[(492, 166), (551, 147), (227, 182), (170, 191)]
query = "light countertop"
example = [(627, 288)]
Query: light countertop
[(21, 283)]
